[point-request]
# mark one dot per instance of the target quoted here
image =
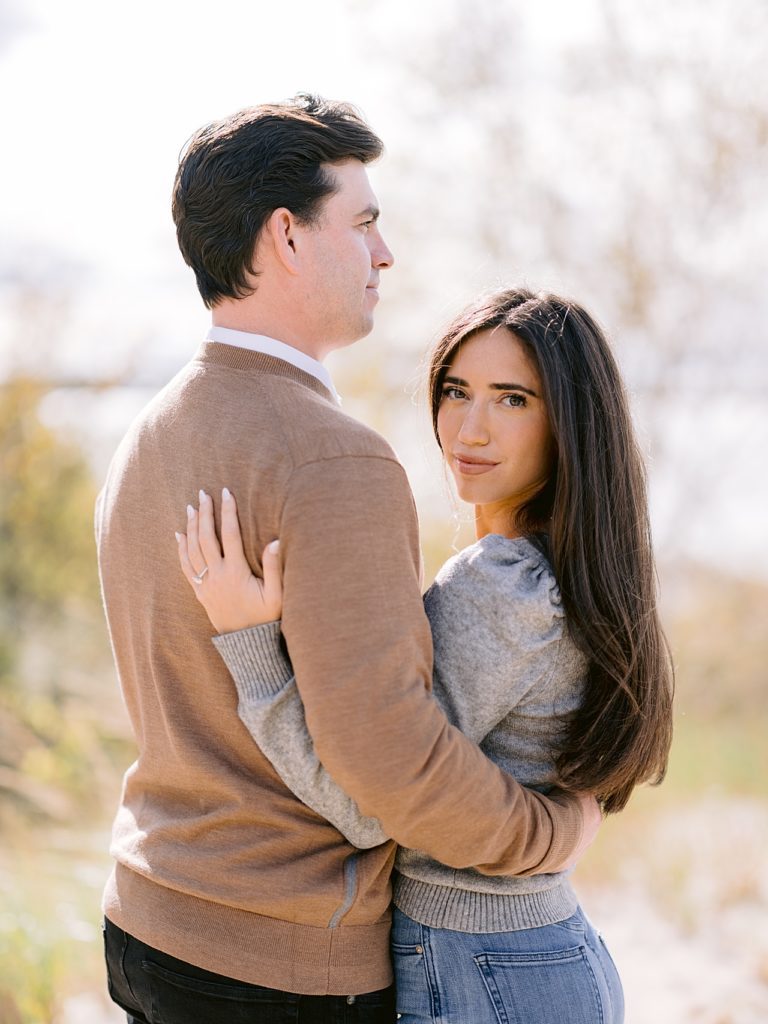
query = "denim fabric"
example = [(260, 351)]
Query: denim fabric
[(549, 975), (154, 988)]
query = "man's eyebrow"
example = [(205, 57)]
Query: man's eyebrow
[(371, 212), (496, 387)]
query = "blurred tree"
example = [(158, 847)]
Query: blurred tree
[(619, 156), (46, 503), (63, 736), (717, 627), (54, 732)]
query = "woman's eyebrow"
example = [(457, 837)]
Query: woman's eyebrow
[(513, 387), (496, 387)]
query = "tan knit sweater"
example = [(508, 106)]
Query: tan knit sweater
[(217, 862)]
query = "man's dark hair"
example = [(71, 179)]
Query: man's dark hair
[(234, 173)]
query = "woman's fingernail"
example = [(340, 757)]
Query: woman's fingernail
[(202, 495), (178, 537), (225, 494), (190, 512), (274, 546)]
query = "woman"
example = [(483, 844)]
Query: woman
[(548, 652)]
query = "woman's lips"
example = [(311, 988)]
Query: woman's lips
[(472, 467)]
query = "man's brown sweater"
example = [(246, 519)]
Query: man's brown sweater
[(218, 863)]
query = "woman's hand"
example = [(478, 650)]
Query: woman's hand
[(223, 583)]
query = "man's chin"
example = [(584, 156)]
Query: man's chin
[(366, 328), (363, 330)]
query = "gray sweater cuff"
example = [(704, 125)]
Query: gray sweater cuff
[(256, 660)]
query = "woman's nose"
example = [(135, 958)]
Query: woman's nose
[(473, 429)]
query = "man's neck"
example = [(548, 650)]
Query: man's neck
[(252, 322)]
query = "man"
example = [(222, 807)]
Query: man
[(230, 899)]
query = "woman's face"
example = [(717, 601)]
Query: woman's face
[(493, 426)]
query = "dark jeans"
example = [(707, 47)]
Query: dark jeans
[(154, 988)]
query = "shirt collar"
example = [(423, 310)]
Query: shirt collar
[(278, 349)]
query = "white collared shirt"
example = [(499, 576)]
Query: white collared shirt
[(278, 349)]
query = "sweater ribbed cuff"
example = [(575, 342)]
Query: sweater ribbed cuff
[(256, 660)]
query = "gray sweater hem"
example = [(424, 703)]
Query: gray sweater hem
[(443, 906)]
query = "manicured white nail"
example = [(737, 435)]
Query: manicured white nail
[(178, 536), (274, 547), (190, 512), (202, 495), (225, 494)]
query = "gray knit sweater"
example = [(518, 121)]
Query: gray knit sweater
[(506, 673)]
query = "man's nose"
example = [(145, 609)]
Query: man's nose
[(381, 254)]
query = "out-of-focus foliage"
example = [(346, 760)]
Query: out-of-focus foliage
[(624, 165), (62, 739), (46, 502), (54, 732), (718, 627)]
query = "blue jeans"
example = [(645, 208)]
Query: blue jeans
[(155, 988), (548, 975)]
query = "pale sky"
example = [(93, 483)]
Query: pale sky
[(98, 96), (97, 101)]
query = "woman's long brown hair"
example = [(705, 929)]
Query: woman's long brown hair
[(594, 513)]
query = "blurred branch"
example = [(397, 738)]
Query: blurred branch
[(625, 166)]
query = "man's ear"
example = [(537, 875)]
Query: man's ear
[(282, 230)]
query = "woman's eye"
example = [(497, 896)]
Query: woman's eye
[(515, 401), (451, 392)]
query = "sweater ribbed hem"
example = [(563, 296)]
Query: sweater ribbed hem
[(255, 660), (291, 957), (443, 906)]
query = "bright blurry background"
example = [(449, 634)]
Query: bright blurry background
[(607, 149)]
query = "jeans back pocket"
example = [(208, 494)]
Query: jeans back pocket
[(542, 987)]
